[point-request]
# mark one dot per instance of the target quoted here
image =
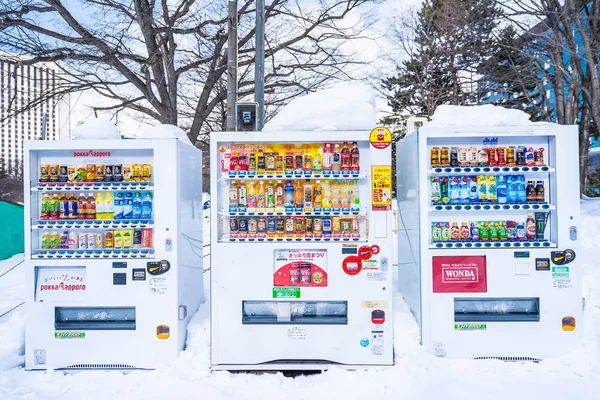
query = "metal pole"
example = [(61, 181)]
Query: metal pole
[(259, 67), (232, 54)]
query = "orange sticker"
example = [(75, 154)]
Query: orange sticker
[(222, 149), (380, 137)]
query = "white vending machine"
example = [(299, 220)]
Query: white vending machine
[(488, 239), (301, 250), (113, 251)]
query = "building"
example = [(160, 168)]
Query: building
[(20, 86)]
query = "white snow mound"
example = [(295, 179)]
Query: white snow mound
[(345, 106), (485, 115), (96, 128), (165, 132)]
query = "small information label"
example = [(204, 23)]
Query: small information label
[(286, 292), (374, 304), (470, 327), (296, 333), (69, 335)]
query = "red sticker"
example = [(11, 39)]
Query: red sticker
[(375, 249), (352, 265), (364, 252)]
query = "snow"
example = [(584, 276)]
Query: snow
[(485, 115), (165, 131), (416, 375), (345, 106), (96, 128)]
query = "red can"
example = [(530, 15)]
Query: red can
[(492, 159), (501, 156), (243, 162), (305, 274), (147, 238), (294, 274), (234, 164)]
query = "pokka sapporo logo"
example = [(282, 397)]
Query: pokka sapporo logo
[(67, 287), (91, 153)]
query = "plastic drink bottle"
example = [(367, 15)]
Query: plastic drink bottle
[(147, 206), (100, 206), (136, 211), (288, 193)]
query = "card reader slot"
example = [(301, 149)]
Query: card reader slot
[(500, 309), (295, 312), (94, 318)]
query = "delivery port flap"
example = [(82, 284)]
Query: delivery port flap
[(501, 309), (94, 318), (295, 312)]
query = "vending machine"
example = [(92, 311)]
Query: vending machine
[(301, 250), (113, 251), (488, 220)]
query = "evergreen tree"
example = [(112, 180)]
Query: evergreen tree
[(511, 78), (452, 38)]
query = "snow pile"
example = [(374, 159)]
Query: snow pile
[(165, 132), (346, 106), (96, 128), (486, 115)]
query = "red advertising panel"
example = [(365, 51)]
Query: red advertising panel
[(459, 274)]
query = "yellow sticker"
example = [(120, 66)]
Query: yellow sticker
[(374, 304), (381, 181), (380, 137)]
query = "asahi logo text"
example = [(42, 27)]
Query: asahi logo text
[(490, 141), (67, 287), (91, 153), (460, 275)]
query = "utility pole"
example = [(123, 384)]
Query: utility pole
[(232, 64), (259, 67)]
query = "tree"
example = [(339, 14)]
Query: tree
[(445, 46), (167, 60), (562, 45)]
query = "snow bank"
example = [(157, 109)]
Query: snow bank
[(96, 128), (346, 106), (165, 132), (485, 115)]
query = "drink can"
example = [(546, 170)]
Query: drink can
[(521, 155), (83, 241), (73, 241), (118, 172), (445, 231), (243, 162), (99, 237), (261, 226), (289, 226), (137, 238), (510, 156), (44, 173), (252, 226), (454, 156), (289, 162), (539, 157), (99, 173), (53, 173), (271, 225), (90, 172), (434, 153), (336, 226), (251, 162), (109, 239), (278, 162), (234, 226), (91, 239), (355, 226), (318, 226), (436, 231), (445, 157), (108, 173), (63, 175), (300, 226), (501, 156), (345, 224), (136, 173), (308, 225), (243, 226), (298, 161), (72, 173), (146, 172), (305, 273), (491, 156), (327, 226), (294, 273), (147, 238), (127, 172), (234, 163), (280, 226)]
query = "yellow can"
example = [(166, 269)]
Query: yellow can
[(147, 172), (136, 172)]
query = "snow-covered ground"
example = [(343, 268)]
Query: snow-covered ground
[(416, 375)]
